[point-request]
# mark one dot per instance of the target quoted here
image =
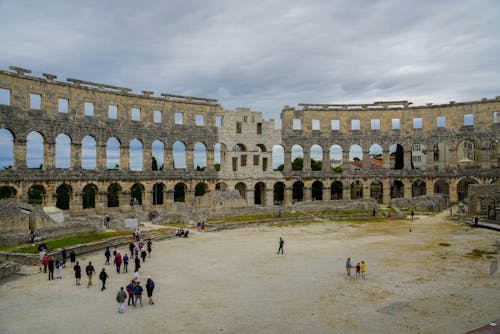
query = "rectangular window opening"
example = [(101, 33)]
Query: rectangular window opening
[(238, 127), (441, 121), (200, 120), (468, 120), (218, 121), (89, 108), (417, 123), (255, 160), (243, 160), (178, 118), (375, 124), (62, 105), (35, 101), (136, 114), (355, 124), (157, 116), (5, 96), (112, 112), (259, 128), (296, 124), (395, 123), (315, 125), (335, 124)]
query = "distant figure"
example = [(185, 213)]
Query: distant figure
[(78, 273), (107, 254), (64, 256), (373, 212), (59, 266), (137, 262), (348, 267), (138, 293), (120, 298), (149, 245), (115, 250), (131, 248), (358, 270), (281, 243), (72, 257), (118, 261), (150, 285), (45, 262), (144, 254), (412, 215), (89, 269), (476, 220), (32, 237), (125, 263), (51, 266), (363, 269), (103, 276), (130, 291)]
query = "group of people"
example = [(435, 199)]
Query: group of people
[(51, 263), (200, 225), (181, 233), (360, 269)]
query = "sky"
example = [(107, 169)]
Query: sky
[(264, 55)]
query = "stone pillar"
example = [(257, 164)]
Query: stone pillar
[(101, 202), (147, 158), (210, 160), (326, 194), (366, 161), (147, 199), (19, 153), (451, 159), (190, 159), (366, 189), (100, 157), (346, 191), (77, 203), (345, 159), (250, 197), (287, 196), (386, 197), (325, 163), (288, 161), (386, 155), (124, 197), (49, 155), (307, 194), (168, 159), (407, 189), (453, 191), (189, 198), (269, 199), (407, 159), (76, 156), (429, 187), (124, 158), (306, 167)]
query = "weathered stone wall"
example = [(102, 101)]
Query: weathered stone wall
[(484, 198)]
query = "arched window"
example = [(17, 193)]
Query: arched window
[(6, 149), (34, 150), (63, 151), (135, 149), (113, 153), (88, 153)]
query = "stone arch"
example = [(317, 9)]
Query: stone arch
[(441, 187), (36, 194), (89, 146), (200, 189), (135, 155), (356, 155), (6, 149), (278, 193), (418, 188), (220, 150), (397, 189), (63, 152), (242, 188), (467, 152), (356, 189), (158, 190), (157, 154), (298, 191), (7, 192), (200, 156), (335, 156), (114, 190), (239, 148), (113, 153), (63, 196), (377, 191), (316, 157), (180, 192), (396, 156), (376, 157), (179, 151), (278, 157), (463, 187), (222, 186), (336, 190), (297, 157), (259, 197), (35, 150), (317, 191), (261, 148), (136, 194), (89, 193)]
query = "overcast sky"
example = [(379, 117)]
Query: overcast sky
[(264, 56)]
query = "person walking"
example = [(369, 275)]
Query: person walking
[(281, 243), (32, 237), (137, 263), (150, 286), (149, 245), (412, 214), (120, 298), (72, 257), (107, 254), (64, 256), (143, 254), (59, 266), (118, 261), (130, 291), (45, 262), (348, 267), (103, 276), (78, 273), (125, 263), (89, 269), (358, 270), (51, 265), (131, 248), (138, 293), (363, 269)]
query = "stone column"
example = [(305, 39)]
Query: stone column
[(366, 160), (287, 196), (124, 197), (147, 199), (101, 202), (407, 189), (345, 160), (288, 161), (147, 158), (100, 157), (76, 156), (386, 155), (407, 159), (210, 160), (346, 191), (386, 196), (307, 161), (307, 194), (249, 197), (325, 163), (326, 194), (19, 153), (77, 200), (124, 158), (49, 155), (429, 187), (168, 159), (269, 200), (453, 191), (189, 159)]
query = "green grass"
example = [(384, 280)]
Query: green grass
[(258, 217), (177, 224), (71, 241)]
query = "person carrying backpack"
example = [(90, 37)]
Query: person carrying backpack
[(138, 293), (130, 291), (150, 285)]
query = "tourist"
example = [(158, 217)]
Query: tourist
[(136, 251), (118, 261), (136, 276), (64, 257), (32, 237), (78, 273), (115, 250), (203, 226), (130, 291), (198, 225), (120, 298), (103, 276), (131, 247), (107, 254), (143, 254), (137, 293), (358, 270), (348, 267), (149, 244), (363, 269), (412, 214), (281, 243), (51, 268), (59, 266), (150, 285), (137, 263), (89, 269), (125, 263), (72, 257), (45, 262)]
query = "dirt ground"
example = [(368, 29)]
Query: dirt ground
[(234, 282)]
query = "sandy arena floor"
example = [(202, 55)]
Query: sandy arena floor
[(234, 282)]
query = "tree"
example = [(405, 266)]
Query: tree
[(316, 165), (298, 164), (154, 164)]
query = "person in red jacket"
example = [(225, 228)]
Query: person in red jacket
[(45, 262), (118, 261)]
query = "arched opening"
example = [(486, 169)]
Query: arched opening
[(88, 196), (135, 155), (63, 196), (7, 192), (114, 190), (63, 152), (35, 194), (298, 191), (418, 188), (200, 189), (297, 157), (397, 189), (316, 157), (441, 187), (157, 154), (418, 156), (376, 157), (259, 193), (200, 156), (377, 191), (136, 194), (34, 150), (356, 156), (317, 191), (356, 190), (463, 188), (261, 148), (88, 153), (278, 158), (221, 186), (179, 155), (278, 193), (218, 156), (6, 149), (158, 190), (180, 192), (336, 190), (113, 153), (242, 189), (467, 153), (396, 156)]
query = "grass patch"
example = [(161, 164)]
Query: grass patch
[(299, 223), (480, 252), (177, 224), (445, 244), (72, 240), (259, 217)]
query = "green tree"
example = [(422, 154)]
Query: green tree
[(298, 164)]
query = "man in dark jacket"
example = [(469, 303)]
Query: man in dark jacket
[(137, 293), (103, 276), (90, 271)]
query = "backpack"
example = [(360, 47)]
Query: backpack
[(89, 270), (130, 289), (150, 285)]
